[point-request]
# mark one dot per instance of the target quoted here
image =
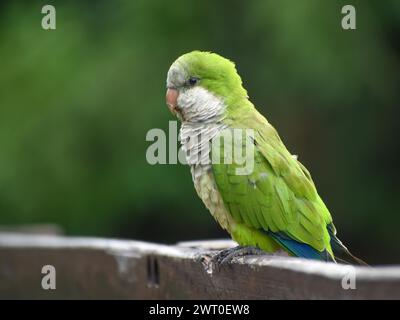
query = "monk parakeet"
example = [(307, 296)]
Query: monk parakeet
[(272, 206)]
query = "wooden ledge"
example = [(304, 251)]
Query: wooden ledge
[(93, 268)]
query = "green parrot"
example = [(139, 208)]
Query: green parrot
[(271, 207)]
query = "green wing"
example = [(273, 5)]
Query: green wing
[(279, 195)]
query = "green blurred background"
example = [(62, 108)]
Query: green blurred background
[(76, 104)]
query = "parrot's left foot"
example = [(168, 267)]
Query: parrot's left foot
[(227, 255)]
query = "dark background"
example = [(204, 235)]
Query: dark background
[(76, 104)]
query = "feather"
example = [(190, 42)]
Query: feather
[(299, 249), (342, 254)]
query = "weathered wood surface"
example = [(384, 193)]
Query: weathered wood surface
[(88, 268), (48, 229)]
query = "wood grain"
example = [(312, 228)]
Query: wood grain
[(90, 268)]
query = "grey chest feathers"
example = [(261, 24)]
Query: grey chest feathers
[(196, 143)]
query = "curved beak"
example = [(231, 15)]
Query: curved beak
[(172, 100)]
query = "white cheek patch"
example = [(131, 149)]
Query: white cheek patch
[(200, 105)]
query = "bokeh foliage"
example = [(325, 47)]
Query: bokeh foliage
[(76, 104)]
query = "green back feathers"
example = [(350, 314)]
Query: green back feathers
[(279, 196)]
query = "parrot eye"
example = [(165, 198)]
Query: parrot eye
[(192, 81)]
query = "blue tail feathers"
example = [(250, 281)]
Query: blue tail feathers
[(299, 249)]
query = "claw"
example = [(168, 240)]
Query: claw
[(226, 256)]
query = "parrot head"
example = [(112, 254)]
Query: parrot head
[(201, 86)]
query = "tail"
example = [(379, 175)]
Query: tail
[(341, 253), (299, 249)]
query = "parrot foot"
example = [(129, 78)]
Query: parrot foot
[(227, 255)]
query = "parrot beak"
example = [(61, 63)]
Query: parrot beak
[(172, 100)]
